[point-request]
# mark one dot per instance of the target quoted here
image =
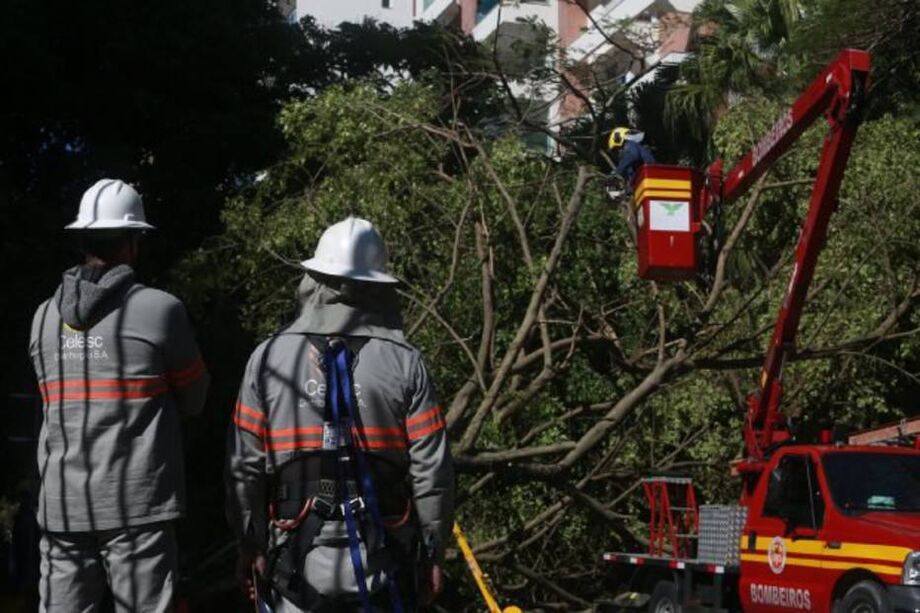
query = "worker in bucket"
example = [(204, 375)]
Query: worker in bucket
[(632, 155), (339, 476), (117, 365)]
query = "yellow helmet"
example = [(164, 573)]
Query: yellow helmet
[(617, 138)]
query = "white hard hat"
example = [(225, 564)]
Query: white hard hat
[(352, 249), (111, 204)]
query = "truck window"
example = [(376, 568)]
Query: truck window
[(877, 481), (793, 493)]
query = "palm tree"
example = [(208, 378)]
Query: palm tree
[(739, 50)]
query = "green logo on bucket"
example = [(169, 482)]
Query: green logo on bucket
[(672, 208)]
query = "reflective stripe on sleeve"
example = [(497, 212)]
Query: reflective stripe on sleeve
[(254, 414), (190, 374), (250, 419), (425, 423), (246, 424)]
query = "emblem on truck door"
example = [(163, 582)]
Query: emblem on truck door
[(776, 555)]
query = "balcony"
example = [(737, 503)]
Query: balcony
[(593, 42), (442, 11)]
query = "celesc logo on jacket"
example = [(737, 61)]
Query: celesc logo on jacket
[(315, 392), (76, 346)]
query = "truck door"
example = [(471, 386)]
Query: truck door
[(783, 541)]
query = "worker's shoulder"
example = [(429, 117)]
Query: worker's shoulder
[(42, 312), (386, 346), (152, 298), (44, 306), (278, 347)]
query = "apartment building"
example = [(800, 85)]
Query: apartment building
[(614, 41), (331, 13), (588, 30), (647, 32)]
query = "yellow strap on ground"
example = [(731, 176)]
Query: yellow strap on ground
[(478, 575)]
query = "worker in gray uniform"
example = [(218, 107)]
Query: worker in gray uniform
[(340, 484), (117, 365)]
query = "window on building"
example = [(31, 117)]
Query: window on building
[(484, 7), (385, 3)]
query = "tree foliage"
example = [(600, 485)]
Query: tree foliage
[(566, 377)]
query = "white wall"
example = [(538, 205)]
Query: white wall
[(330, 13)]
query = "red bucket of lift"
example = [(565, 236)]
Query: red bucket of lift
[(666, 199)]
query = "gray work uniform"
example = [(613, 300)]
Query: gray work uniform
[(117, 364), (281, 413)]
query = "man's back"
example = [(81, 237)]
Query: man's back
[(398, 422), (633, 156), (116, 363)]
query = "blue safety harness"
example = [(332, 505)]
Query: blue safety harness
[(343, 405)]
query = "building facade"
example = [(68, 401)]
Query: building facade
[(619, 42), (587, 30), (331, 13), (614, 41)]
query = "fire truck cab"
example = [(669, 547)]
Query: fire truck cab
[(833, 527)]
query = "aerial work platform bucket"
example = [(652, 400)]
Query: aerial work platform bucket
[(666, 199)]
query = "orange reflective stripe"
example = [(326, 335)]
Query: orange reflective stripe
[(417, 434), (246, 424), (379, 431), (432, 413), (417, 425), (90, 383), (381, 444), (296, 444), (103, 395), (180, 378), (287, 432), (254, 414), (304, 437), (102, 389), (380, 437)]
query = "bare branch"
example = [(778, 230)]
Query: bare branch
[(536, 300)]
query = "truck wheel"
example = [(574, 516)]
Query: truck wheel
[(865, 597), (664, 598)]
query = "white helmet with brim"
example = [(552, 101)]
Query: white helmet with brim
[(111, 204), (351, 249)]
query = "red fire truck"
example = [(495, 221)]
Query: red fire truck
[(829, 526)]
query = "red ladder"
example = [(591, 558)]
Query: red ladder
[(674, 517)]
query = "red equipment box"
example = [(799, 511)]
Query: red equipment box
[(667, 219)]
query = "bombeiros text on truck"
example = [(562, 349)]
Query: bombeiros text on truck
[(827, 526)]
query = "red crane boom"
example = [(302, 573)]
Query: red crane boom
[(671, 201), (837, 93)]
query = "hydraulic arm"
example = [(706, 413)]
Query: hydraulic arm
[(838, 93)]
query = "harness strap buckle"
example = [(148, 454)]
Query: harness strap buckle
[(357, 505), (324, 507)]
